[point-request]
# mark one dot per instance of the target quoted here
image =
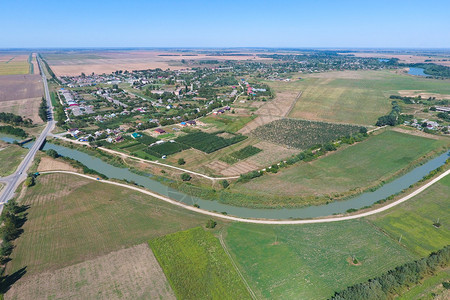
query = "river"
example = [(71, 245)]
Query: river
[(336, 207)]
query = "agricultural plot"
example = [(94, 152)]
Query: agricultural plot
[(228, 123), (208, 142), (14, 65), (311, 261), (10, 157), (345, 171), (67, 211), (167, 148), (146, 139), (303, 134), (21, 95), (412, 222), (131, 273), (241, 154), (197, 267), (356, 97)]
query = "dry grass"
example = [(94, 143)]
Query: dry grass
[(21, 95), (73, 219), (131, 273), (50, 164), (424, 95)]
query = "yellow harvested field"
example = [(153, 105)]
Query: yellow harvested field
[(50, 164), (14, 64), (132, 273)]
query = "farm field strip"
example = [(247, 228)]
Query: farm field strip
[(197, 266), (301, 262), (131, 273), (356, 97), (262, 221), (65, 208), (412, 222), (347, 170), (303, 134)]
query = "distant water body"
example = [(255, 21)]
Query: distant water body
[(417, 72)]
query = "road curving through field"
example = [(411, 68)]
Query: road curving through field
[(264, 221)]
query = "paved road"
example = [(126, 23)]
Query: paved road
[(13, 181), (266, 221)]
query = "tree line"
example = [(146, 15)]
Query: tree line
[(8, 129), (13, 119), (396, 281), (43, 110), (394, 117)]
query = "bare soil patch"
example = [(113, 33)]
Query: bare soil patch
[(416, 93), (17, 87), (271, 153), (131, 273), (27, 108), (351, 262), (50, 164), (238, 168), (417, 133)]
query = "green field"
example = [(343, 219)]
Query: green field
[(197, 267), (413, 220), (356, 167), (72, 219), (311, 261), (357, 97), (10, 157), (228, 123), (14, 66)]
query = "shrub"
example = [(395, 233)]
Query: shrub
[(224, 184), (185, 177), (181, 161), (211, 223), (52, 153)]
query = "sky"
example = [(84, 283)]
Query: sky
[(276, 23)]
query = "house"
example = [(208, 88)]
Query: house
[(183, 124), (119, 138), (191, 123), (159, 131), (136, 135)]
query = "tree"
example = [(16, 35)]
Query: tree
[(181, 161), (185, 177), (52, 153), (29, 181), (211, 223), (224, 184)]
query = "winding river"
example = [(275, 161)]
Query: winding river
[(336, 207)]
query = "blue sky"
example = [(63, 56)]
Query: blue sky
[(282, 23)]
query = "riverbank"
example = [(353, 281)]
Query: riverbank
[(271, 222)]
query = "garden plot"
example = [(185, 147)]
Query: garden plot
[(302, 134)]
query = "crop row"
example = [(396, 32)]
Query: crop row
[(303, 134), (208, 142)]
